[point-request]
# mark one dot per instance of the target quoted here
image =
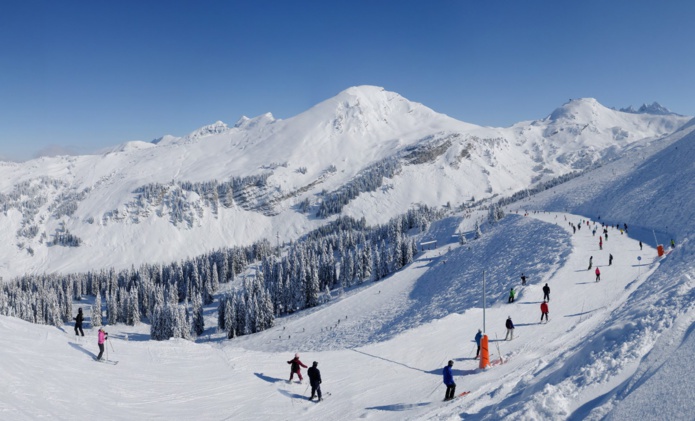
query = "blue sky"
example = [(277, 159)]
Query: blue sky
[(82, 76)]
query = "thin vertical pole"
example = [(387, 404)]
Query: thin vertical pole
[(484, 329)]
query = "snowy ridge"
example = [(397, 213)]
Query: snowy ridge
[(303, 160)]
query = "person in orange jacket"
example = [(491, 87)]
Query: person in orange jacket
[(544, 311)]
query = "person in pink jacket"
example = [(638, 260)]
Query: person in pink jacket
[(102, 337)]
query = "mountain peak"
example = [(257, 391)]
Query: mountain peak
[(576, 109), (211, 129), (249, 123), (655, 108), (359, 107)]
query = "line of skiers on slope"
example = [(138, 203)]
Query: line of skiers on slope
[(313, 372)]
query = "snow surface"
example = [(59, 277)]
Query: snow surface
[(381, 347), (618, 349)]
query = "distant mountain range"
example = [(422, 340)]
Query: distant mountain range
[(366, 152)]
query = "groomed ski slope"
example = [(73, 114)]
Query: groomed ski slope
[(382, 360)]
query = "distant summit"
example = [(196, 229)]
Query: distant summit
[(655, 108)]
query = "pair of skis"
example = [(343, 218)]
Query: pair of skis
[(458, 396), (106, 361)]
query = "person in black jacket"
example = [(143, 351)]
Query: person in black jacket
[(315, 381), (546, 292), (510, 329), (78, 322)]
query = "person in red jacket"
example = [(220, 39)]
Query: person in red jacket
[(295, 368), (544, 311), (598, 275)]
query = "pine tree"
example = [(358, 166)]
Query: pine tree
[(96, 311), (230, 316), (133, 308), (198, 321)]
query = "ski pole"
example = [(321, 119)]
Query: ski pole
[(435, 388), (112, 347)]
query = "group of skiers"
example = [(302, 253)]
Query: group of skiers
[(313, 373), (102, 335)]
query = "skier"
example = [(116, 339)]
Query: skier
[(510, 329), (102, 337), (78, 322), (295, 368), (511, 296), (598, 274), (610, 259), (640, 246), (449, 381), (591, 259), (478, 337), (544, 311), (523, 279), (600, 243), (546, 293), (673, 244), (315, 381)]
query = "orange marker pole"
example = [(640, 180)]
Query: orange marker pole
[(484, 353)]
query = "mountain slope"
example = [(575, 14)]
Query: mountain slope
[(365, 153)]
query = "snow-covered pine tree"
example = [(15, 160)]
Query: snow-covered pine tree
[(220, 314), (230, 316), (312, 285), (198, 320), (96, 311), (367, 261)]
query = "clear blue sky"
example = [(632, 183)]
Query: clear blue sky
[(80, 76)]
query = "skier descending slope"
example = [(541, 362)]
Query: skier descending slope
[(591, 260), (546, 293), (102, 337), (449, 381), (315, 381), (478, 337), (78, 322), (544, 311), (295, 368), (511, 296), (510, 329), (598, 275)]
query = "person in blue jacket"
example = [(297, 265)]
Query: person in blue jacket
[(449, 381), (478, 337)]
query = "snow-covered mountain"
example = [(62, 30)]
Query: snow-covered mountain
[(618, 349), (366, 152)]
